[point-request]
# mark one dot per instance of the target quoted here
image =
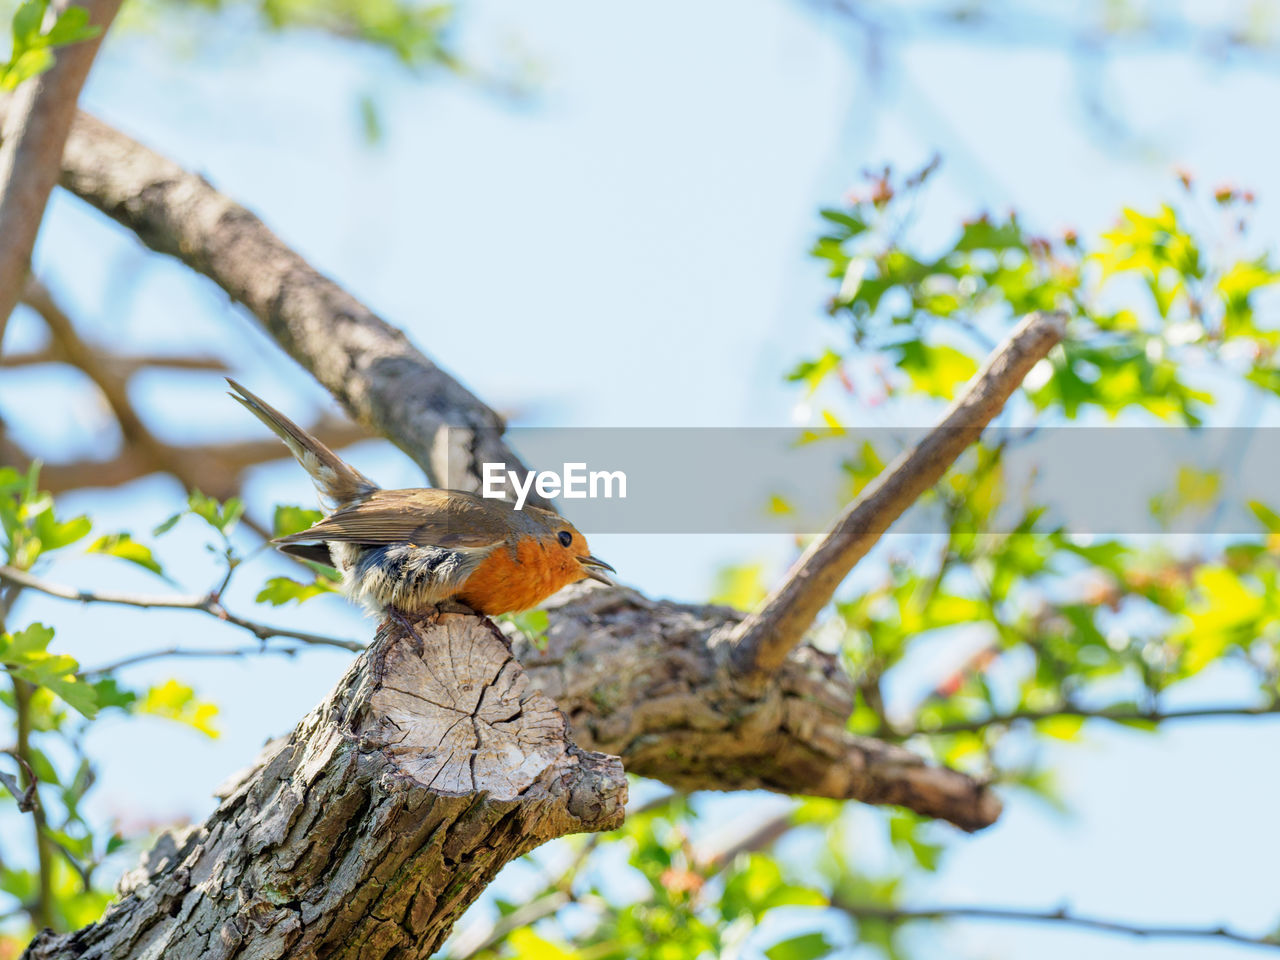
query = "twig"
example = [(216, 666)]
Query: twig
[(122, 364), (26, 798), (1117, 715), (185, 653), (41, 909), (34, 134), (763, 640), (866, 911), (203, 604)]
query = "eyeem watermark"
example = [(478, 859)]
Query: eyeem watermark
[(575, 482)]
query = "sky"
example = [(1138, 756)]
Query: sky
[(627, 248)]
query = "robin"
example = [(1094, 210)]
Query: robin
[(406, 551)]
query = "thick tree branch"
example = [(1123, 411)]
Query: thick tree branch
[(34, 132), (368, 831), (764, 639), (643, 680), (209, 603), (370, 366), (674, 714)]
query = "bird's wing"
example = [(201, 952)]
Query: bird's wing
[(439, 518)]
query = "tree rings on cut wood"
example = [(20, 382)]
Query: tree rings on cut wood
[(456, 712)]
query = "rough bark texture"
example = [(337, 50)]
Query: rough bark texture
[(34, 131), (651, 683), (367, 831), (712, 738)]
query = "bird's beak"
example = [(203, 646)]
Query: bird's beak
[(594, 568)]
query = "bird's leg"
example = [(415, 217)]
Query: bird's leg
[(411, 631)]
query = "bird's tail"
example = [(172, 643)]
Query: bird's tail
[(338, 482)]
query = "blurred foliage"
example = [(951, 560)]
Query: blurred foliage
[(31, 51), (49, 701), (1033, 634)]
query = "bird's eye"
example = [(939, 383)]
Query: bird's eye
[(566, 538)]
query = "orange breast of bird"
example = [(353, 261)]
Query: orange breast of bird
[(516, 579)]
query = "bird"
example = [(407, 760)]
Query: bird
[(406, 552)]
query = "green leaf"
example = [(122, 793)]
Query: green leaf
[(533, 624), (55, 535), (740, 586), (807, 946), (281, 590), (74, 691), (122, 545), (852, 225), (1270, 519), (72, 27), (178, 702), (982, 234), (26, 654), (26, 23), (167, 525), (813, 372), (935, 370), (26, 65), (289, 519), (1062, 727), (111, 694), (221, 516), (25, 645)]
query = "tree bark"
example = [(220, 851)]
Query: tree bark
[(34, 132), (651, 682), (370, 829)]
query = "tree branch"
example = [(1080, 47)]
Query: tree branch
[(123, 365), (763, 640), (34, 133), (370, 829), (209, 604), (370, 366), (131, 463), (187, 653), (788, 736), (867, 911)]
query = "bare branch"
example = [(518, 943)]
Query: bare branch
[(27, 797), (131, 463), (764, 639), (214, 470), (204, 604), (1114, 714), (868, 911), (123, 365), (184, 653), (34, 133)]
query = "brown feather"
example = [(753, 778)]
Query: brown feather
[(426, 517)]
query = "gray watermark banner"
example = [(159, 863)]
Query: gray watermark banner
[(1082, 480)]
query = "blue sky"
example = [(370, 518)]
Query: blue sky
[(629, 249)]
